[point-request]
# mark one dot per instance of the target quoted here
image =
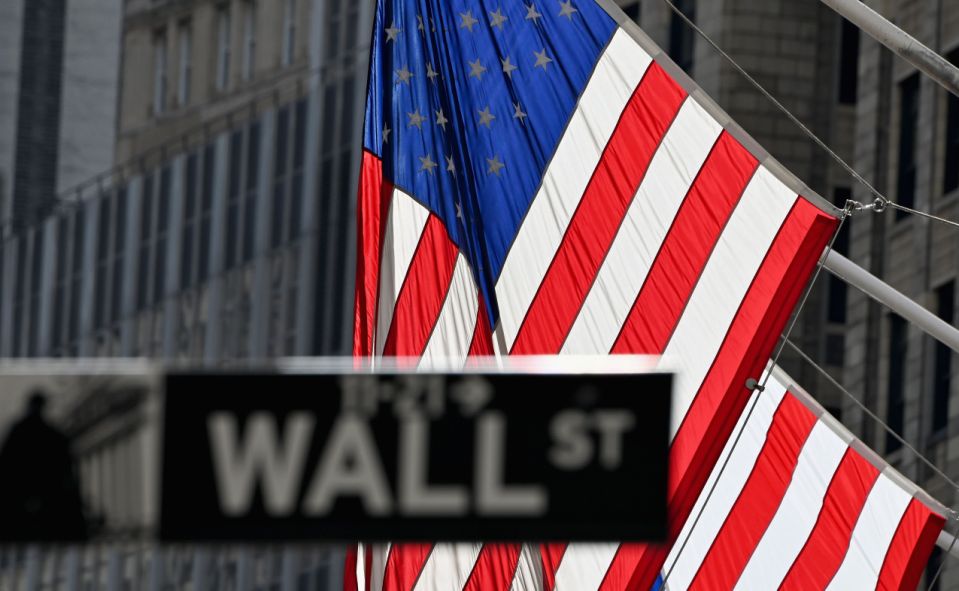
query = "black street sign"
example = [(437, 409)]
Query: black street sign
[(493, 457)]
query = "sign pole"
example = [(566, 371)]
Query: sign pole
[(903, 44)]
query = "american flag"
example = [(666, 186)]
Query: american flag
[(538, 178), (801, 505)]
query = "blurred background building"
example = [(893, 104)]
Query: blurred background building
[(59, 78), (223, 228)]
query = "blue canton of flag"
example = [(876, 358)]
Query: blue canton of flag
[(467, 102)]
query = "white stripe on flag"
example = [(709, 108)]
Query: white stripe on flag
[(448, 567), (671, 172), (723, 285), (877, 524), (727, 491), (614, 80), (453, 333), (361, 550), (529, 569), (381, 553), (407, 218), (584, 566), (798, 512)]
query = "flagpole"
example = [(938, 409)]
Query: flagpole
[(883, 293), (900, 42)]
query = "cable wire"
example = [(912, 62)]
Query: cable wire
[(881, 200), (759, 389), (872, 415)]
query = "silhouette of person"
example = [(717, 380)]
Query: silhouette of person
[(39, 490)]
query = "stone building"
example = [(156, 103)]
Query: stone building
[(225, 229), (221, 231), (59, 79)]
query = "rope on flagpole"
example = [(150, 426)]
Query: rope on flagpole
[(880, 201), (759, 387)]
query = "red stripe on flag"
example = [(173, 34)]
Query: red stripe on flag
[(404, 565), (372, 202), (368, 568), (620, 570), (910, 548), (759, 498), (349, 569), (482, 343), (423, 293), (552, 555), (771, 298), (494, 568), (687, 247), (826, 546), (600, 212)]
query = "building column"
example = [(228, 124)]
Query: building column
[(214, 329), (128, 302), (47, 278), (114, 569), (201, 569), (171, 316), (71, 569), (156, 570), (290, 570), (260, 308), (306, 302), (244, 570), (90, 218), (7, 292), (32, 569)]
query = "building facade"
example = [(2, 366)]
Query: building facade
[(225, 230), (59, 81), (222, 231), (907, 145)]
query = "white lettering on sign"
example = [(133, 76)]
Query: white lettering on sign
[(493, 497), (260, 458), (574, 444), (350, 465), (416, 496)]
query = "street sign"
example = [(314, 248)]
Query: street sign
[(404, 456)]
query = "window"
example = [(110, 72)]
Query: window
[(897, 380), (848, 62), (632, 10), (159, 72), (951, 165), (932, 569), (249, 39), (222, 47), (289, 32), (681, 40), (908, 120), (186, 63), (942, 364)]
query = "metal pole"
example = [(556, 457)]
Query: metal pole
[(947, 542), (880, 291), (900, 42)]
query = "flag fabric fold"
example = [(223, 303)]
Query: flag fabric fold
[(539, 178)]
